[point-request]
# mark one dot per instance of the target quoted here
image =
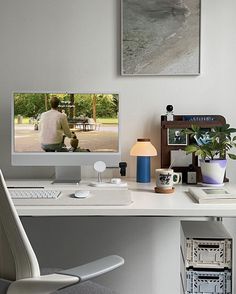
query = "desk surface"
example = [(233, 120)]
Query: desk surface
[(145, 203)]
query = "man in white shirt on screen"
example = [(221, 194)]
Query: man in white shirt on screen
[(53, 126)]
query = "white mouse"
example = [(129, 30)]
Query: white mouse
[(81, 194)]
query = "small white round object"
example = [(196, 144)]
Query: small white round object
[(99, 166), (115, 180), (81, 194)]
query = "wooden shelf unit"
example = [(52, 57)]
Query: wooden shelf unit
[(183, 122)]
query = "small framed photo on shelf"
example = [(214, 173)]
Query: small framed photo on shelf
[(176, 137), (179, 158)]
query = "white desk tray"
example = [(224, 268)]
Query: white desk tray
[(96, 198)]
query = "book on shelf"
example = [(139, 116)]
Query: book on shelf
[(212, 195)]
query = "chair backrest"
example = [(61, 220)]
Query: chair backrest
[(17, 258)]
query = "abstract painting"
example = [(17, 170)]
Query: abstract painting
[(160, 37)]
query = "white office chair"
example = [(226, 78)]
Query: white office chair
[(19, 268)]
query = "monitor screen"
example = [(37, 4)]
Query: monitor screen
[(65, 128)]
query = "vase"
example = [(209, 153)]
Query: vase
[(213, 171)]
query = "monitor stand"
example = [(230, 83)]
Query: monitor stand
[(67, 174)]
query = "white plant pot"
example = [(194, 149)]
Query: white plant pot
[(213, 171)]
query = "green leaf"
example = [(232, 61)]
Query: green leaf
[(191, 148), (232, 156), (231, 130)]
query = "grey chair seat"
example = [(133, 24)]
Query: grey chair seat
[(4, 284), (86, 288), (83, 288)]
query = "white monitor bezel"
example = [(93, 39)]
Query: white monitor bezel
[(61, 158)]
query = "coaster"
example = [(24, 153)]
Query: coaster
[(164, 191)]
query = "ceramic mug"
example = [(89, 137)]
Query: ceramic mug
[(166, 178)]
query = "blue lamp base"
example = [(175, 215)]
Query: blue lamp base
[(143, 169)]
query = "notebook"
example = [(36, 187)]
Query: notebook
[(212, 195)]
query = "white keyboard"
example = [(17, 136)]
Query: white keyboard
[(34, 194)]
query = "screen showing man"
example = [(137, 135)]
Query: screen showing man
[(53, 126), (65, 122)]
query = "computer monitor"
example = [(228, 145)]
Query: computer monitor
[(92, 117)]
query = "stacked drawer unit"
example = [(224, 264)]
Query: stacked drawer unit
[(206, 258)]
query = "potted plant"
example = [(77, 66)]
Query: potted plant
[(212, 146)]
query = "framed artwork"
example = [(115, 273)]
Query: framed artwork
[(176, 137), (160, 37), (204, 139)]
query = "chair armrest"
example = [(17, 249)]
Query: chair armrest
[(95, 268), (50, 283)]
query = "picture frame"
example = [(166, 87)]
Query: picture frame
[(166, 42), (179, 158), (175, 136), (205, 137)]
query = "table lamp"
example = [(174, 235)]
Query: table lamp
[(143, 149)]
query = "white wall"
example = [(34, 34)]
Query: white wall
[(74, 46)]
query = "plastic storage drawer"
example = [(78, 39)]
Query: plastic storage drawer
[(208, 253), (210, 282)]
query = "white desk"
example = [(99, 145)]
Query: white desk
[(147, 243), (145, 203)]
